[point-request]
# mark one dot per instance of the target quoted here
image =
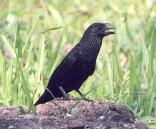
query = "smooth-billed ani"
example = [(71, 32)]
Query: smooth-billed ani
[(77, 65)]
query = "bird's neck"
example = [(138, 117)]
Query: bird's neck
[(91, 46)]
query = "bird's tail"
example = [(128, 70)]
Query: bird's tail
[(46, 96)]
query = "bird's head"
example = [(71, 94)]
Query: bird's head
[(100, 29)]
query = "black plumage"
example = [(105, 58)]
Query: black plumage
[(78, 64)]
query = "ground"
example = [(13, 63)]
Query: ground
[(61, 114)]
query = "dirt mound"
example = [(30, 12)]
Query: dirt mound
[(60, 114)]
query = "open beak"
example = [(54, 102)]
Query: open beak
[(108, 29)]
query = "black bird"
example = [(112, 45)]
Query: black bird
[(77, 65)]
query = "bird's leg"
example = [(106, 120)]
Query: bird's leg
[(65, 96), (79, 92), (83, 96)]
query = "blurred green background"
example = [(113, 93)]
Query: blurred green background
[(126, 65)]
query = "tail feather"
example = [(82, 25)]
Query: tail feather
[(44, 98), (49, 95)]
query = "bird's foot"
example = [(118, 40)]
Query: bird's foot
[(68, 98)]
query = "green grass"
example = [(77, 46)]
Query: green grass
[(32, 45)]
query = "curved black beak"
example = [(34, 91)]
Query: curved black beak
[(108, 29)]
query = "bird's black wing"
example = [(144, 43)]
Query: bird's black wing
[(66, 66), (58, 77)]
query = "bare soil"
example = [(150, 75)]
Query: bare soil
[(61, 114)]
